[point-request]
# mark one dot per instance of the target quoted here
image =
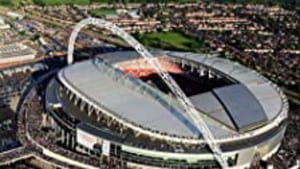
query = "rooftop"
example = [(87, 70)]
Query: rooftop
[(123, 101), (15, 50), (250, 103)]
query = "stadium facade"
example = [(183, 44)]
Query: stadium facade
[(115, 105)]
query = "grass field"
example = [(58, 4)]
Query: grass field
[(170, 41), (101, 11), (6, 3)]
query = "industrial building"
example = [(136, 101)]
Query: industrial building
[(16, 52)]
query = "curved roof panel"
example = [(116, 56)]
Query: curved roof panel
[(252, 101), (126, 103), (242, 107)]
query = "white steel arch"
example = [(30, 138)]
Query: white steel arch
[(189, 108)]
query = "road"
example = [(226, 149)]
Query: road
[(63, 25)]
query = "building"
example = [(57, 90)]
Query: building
[(15, 15), (3, 25), (17, 52), (1, 20), (116, 106)]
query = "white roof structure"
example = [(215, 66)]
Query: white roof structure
[(138, 108), (262, 89), (253, 101), (208, 103)]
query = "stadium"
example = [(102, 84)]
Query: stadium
[(117, 105)]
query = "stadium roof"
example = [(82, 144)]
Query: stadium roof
[(243, 108), (250, 102), (126, 103), (208, 103), (261, 88)]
